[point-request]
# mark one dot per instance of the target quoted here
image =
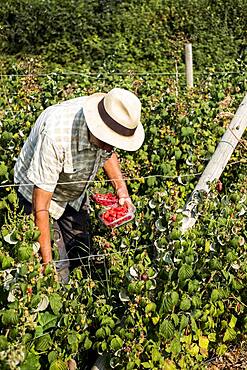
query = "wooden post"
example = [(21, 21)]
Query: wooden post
[(217, 163), (189, 65)]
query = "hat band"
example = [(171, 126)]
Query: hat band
[(110, 122)]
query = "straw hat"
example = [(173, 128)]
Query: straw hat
[(114, 118)]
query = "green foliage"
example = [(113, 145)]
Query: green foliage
[(160, 299), (58, 365), (113, 31)]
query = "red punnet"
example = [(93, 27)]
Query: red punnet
[(117, 215), (113, 215)]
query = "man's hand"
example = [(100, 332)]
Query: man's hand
[(123, 197)]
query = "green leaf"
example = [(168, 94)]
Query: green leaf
[(9, 317), (47, 320), (166, 329), (72, 338), (38, 331), (187, 131), (3, 169), (229, 335), (207, 246), (214, 295), (175, 347), (221, 349), (203, 344), (55, 303), (116, 343), (185, 303), (212, 337), (87, 344), (7, 262), (194, 326), (43, 343), (24, 253), (31, 362), (108, 321), (130, 365), (175, 319), (177, 153), (58, 364), (100, 333), (196, 301), (185, 272), (155, 320), (150, 307), (169, 365), (183, 322), (193, 350), (104, 346), (156, 355), (151, 181), (174, 297), (26, 338), (3, 343), (52, 356), (175, 234), (146, 365), (66, 319), (233, 322)]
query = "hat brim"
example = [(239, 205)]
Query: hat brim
[(104, 133)]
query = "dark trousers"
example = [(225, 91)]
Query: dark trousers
[(71, 233)]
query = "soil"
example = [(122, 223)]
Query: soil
[(235, 358)]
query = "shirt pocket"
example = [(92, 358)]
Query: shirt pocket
[(71, 183), (75, 173)]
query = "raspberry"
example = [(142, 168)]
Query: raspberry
[(116, 216), (107, 199)]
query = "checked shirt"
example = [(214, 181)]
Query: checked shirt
[(58, 157)]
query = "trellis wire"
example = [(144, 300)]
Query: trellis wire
[(90, 256), (101, 181), (140, 178), (98, 74)]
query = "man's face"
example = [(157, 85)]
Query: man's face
[(100, 144)]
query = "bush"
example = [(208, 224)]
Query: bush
[(147, 33), (159, 299)]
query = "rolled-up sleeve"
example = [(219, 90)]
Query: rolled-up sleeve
[(46, 164)]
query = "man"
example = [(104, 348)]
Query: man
[(67, 145)]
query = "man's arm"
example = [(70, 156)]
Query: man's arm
[(41, 204), (113, 171)]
